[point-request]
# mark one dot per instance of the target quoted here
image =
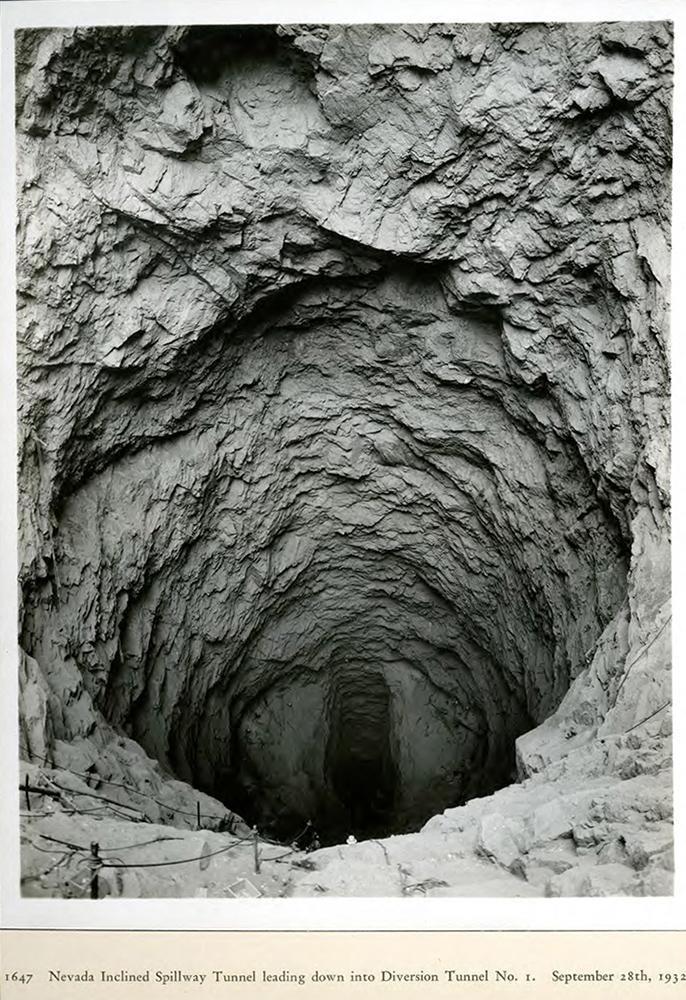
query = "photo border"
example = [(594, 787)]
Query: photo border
[(342, 913)]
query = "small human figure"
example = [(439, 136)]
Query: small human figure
[(301, 840)]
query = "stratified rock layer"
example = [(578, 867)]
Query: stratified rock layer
[(344, 422)]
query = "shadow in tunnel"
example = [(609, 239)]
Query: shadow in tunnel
[(360, 767)]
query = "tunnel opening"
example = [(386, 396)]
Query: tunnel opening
[(359, 761), (375, 758), (361, 558)]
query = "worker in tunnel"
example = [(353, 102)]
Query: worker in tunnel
[(308, 839)]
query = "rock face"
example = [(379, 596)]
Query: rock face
[(344, 429)]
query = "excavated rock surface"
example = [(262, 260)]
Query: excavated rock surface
[(344, 437)]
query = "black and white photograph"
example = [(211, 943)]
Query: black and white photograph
[(343, 460)]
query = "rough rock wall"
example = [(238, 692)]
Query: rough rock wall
[(344, 404)]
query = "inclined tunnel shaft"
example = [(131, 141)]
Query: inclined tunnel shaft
[(360, 557), (343, 456)]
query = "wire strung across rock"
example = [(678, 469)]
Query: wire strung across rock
[(98, 861), (118, 784)]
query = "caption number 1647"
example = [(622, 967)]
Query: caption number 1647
[(19, 977)]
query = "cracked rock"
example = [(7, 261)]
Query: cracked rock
[(344, 435)]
